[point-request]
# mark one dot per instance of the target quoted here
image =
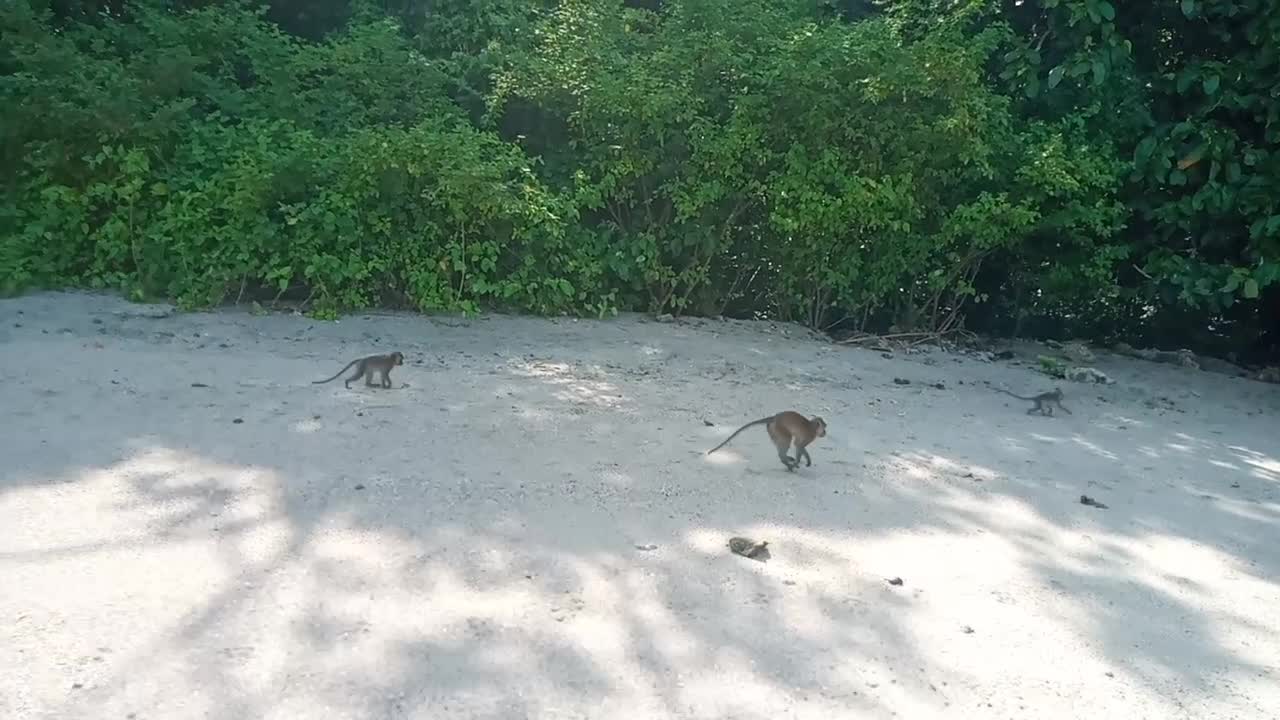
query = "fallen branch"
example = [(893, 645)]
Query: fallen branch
[(911, 339), (893, 336)]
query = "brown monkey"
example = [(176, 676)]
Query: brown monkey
[(368, 366), (1044, 401), (784, 428)]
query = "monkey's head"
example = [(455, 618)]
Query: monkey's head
[(819, 426), (398, 357)]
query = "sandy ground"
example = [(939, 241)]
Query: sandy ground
[(527, 526)]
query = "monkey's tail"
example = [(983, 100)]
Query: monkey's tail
[(1006, 392), (761, 421), (321, 382)]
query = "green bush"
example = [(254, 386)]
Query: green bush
[(1063, 166), (329, 175), (847, 169)]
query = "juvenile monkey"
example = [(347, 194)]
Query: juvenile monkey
[(784, 428), (1044, 401), (367, 367)]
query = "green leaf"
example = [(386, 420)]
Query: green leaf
[(1107, 9), (1188, 7), (1251, 288), (1055, 76), (1211, 84), (1099, 72), (1143, 152)]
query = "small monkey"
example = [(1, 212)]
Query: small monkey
[(1044, 401), (784, 428), (367, 367)]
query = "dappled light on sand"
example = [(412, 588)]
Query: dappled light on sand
[(514, 537)]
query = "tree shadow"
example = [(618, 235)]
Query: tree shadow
[(535, 534)]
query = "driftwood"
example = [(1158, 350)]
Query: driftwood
[(909, 339)]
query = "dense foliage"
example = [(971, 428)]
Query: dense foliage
[(1054, 167)]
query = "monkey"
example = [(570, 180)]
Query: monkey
[(367, 367), (1044, 401), (783, 429)]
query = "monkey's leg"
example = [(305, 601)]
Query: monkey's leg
[(781, 440), (386, 379), (787, 461), (808, 462), (1036, 409), (353, 378)]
